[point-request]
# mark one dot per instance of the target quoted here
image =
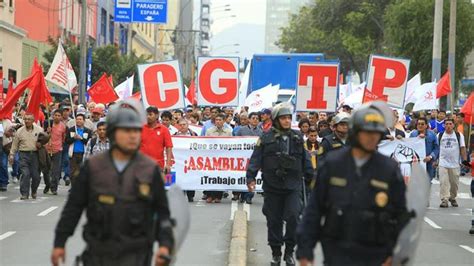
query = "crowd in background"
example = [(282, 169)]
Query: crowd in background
[(54, 146)]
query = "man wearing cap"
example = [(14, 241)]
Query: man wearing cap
[(266, 118), (338, 138)]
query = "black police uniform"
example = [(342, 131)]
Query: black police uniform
[(356, 213), (126, 211), (283, 161), (329, 143)]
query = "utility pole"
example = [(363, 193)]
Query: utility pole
[(452, 52), (129, 38), (83, 53), (437, 41)]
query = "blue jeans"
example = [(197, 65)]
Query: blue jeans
[(65, 158), (3, 168), (16, 166), (247, 195)]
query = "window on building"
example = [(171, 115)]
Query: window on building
[(10, 4), (1, 68), (12, 75), (103, 24), (111, 30)]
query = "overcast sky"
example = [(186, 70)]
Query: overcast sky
[(247, 28)]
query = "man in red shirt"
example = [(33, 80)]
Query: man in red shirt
[(156, 140), (57, 131)]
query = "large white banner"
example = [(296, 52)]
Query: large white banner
[(406, 152), (213, 163)]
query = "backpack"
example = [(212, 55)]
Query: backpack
[(93, 142)]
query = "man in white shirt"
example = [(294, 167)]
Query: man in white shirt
[(452, 148)]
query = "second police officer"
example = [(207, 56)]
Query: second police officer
[(123, 194), (338, 138), (358, 206), (282, 159)]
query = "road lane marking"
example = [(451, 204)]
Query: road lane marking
[(465, 180), (2, 198), (47, 211), (233, 208), (7, 234), (435, 182), (30, 200), (467, 248), (464, 196), (431, 223), (247, 210)]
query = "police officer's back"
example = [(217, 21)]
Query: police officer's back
[(336, 139), (281, 157), (123, 192), (359, 197)]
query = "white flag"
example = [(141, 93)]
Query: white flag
[(426, 97), (262, 98), (244, 85), (412, 85), (124, 89), (58, 74)]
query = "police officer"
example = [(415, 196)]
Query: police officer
[(281, 157), (358, 206), (124, 197), (338, 138)]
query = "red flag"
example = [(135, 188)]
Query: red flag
[(191, 95), (444, 85), (111, 80), (369, 97), (39, 91), (102, 91), (468, 109)]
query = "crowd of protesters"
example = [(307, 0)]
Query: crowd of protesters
[(54, 146)]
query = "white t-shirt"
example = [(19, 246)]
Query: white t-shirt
[(449, 154)]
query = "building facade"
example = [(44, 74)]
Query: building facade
[(11, 38), (277, 16)]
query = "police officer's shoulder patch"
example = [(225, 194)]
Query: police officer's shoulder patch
[(379, 184), (336, 145), (106, 199), (337, 181)]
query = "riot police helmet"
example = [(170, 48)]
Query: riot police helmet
[(125, 114)]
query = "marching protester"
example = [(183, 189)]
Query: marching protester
[(360, 230), (338, 138), (392, 132), (99, 143), (57, 131), (118, 232), (6, 140), (431, 144), (185, 131), (283, 161), (66, 168), (266, 119), (211, 122), (451, 149), (304, 125), (218, 130), (26, 143), (156, 140), (77, 137)]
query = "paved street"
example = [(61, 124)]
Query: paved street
[(26, 231)]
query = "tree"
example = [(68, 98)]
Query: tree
[(409, 33), (347, 30), (105, 59)]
